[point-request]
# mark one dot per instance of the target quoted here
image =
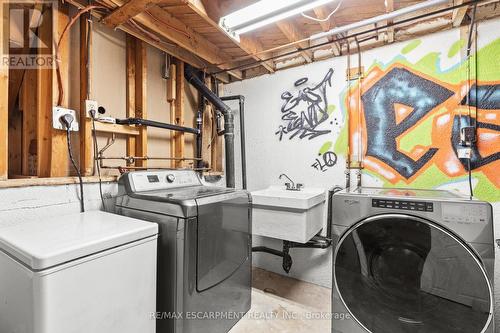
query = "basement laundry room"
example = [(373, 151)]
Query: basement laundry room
[(245, 166)]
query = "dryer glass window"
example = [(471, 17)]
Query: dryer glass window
[(398, 274)]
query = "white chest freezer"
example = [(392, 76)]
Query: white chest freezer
[(93, 272)]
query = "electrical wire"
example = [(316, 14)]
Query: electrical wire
[(469, 123), (96, 161), (58, 44), (326, 19), (77, 169)]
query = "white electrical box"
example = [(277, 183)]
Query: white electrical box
[(90, 105), (58, 112)]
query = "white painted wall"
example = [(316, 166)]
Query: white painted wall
[(37, 202), (267, 157)]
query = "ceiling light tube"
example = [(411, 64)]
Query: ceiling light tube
[(265, 12)]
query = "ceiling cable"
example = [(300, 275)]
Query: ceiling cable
[(326, 19)]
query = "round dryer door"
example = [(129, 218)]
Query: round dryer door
[(399, 273)]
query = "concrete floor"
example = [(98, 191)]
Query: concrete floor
[(285, 305)]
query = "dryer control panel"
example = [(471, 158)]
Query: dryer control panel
[(141, 181), (422, 206)]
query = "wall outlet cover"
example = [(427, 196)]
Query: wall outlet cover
[(89, 106), (464, 152), (58, 112)]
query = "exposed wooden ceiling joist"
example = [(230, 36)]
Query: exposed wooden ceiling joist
[(293, 33), (322, 15), (156, 41), (459, 14), (210, 12), (163, 23), (127, 11)]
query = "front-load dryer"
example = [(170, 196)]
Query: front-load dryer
[(411, 261)]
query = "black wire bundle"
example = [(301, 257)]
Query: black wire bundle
[(77, 169)]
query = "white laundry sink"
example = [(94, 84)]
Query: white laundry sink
[(289, 215)]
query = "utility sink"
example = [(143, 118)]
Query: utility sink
[(289, 215)]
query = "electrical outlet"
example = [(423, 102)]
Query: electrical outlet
[(468, 135), (90, 105), (464, 153), (57, 113)]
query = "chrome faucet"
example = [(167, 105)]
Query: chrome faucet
[(291, 185)]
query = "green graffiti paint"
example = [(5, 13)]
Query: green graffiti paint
[(411, 46), (325, 147), (420, 135), (340, 147), (429, 65), (331, 109), (456, 47)]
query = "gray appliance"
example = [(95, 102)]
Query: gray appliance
[(411, 261), (204, 249)]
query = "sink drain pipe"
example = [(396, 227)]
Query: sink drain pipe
[(241, 100), (192, 76), (317, 242)]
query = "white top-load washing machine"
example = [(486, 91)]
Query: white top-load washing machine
[(412, 261), (93, 272)]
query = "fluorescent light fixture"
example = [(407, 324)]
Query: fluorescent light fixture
[(265, 12)]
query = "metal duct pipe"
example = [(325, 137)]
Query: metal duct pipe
[(376, 19), (241, 100), (191, 75)]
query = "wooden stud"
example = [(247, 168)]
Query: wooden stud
[(44, 104), (130, 58), (171, 96), (177, 114), (115, 128), (59, 157), (28, 102), (4, 93), (172, 84), (86, 140), (141, 143)]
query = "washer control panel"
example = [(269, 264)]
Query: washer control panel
[(464, 213), (164, 179), (421, 206)]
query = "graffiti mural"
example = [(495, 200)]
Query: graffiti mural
[(411, 114), (303, 111)]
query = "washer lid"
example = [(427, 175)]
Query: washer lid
[(48, 242)]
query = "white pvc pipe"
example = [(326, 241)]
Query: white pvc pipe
[(376, 19)]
